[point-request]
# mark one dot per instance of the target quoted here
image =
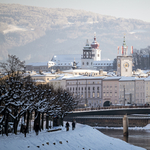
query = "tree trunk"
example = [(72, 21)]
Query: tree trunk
[(28, 116), (47, 121), (38, 119), (24, 117), (35, 119), (6, 123), (61, 121), (42, 120), (15, 122)]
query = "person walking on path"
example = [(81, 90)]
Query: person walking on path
[(25, 130), (67, 126), (73, 124), (37, 128)]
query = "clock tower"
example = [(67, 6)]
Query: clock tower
[(124, 62)]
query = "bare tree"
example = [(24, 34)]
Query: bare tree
[(13, 66)]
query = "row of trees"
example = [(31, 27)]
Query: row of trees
[(20, 97), (141, 58)]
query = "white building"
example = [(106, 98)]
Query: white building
[(140, 91), (111, 89), (147, 90), (91, 59), (88, 90), (127, 90)]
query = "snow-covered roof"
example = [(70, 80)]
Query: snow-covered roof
[(127, 78), (140, 79), (42, 75), (111, 78), (38, 81), (37, 64), (84, 78), (66, 58), (81, 70), (147, 79)]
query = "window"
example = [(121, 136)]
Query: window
[(89, 94), (47, 78), (88, 88), (93, 94), (97, 88), (83, 63), (93, 88), (81, 95), (97, 94), (87, 63)]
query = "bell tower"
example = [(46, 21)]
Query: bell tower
[(124, 61), (87, 60)]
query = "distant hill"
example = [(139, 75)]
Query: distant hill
[(35, 34)]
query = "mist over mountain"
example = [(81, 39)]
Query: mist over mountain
[(35, 34)]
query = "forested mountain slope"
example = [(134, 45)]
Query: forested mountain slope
[(36, 33)]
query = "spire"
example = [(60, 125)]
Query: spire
[(87, 42), (124, 47), (94, 36), (124, 42)]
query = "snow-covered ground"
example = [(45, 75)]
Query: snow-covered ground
[(83, 137)]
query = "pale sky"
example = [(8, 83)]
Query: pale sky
[(135, 9)]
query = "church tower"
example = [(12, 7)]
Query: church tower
[(124, 62), (87, 60), (96, 52)]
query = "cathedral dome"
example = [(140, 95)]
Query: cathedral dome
[(95, 44)]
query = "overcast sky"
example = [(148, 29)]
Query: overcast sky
[(136, 9)]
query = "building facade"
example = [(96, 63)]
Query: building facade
[(88, 90), (111, 89)]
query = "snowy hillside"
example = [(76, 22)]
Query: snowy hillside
[(83, 137), (35, 34)]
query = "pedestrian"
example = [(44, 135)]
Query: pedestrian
[(25, 130), (73, 124), (37, 128), (67, 126)]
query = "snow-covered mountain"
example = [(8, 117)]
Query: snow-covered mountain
[(36, 34)]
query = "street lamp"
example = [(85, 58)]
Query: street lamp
[(124, 95)]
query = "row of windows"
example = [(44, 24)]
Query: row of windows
[(104, 64), (90, 95), (82, 82), (64, 64), (109, 94), (82, 88), (87, 63)]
